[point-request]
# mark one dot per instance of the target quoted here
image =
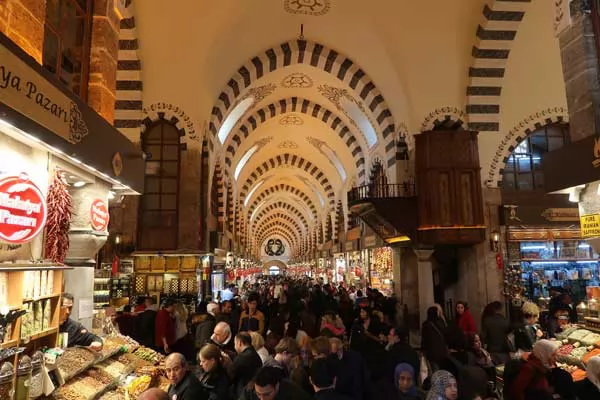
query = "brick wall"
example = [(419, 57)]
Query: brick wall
[(23, 22)]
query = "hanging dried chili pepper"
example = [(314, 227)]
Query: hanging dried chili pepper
[(59, 220)]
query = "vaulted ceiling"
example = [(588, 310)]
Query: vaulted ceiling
[(296, 121)]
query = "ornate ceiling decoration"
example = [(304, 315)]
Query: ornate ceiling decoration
[(291, 119), (288, 144), (263, 142), (314, 8), (260, 93), (274, 247), (297, 80)]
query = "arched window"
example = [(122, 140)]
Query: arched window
[(158, 211), (523, 169)]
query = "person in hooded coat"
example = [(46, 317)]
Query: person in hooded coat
[(433, 338), (533, 375), (589, 388)]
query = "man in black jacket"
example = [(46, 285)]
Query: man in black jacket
[(183, 384), (242, 369), (146, 324), (77, 334), (322, 378), (268, 385), (352, 374), (205, 329)]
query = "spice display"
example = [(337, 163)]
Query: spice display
[(58, 220), (579, 334), (590, 339), (113, 368), (579, 352), (23, 378), (128, 359), (148, 355), (101, 376), (36, 384), (138, 386), (27, 321), (73, 360), (37, 316), (6, 381), (113, 395)]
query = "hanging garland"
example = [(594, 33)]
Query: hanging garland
[(59, 220)]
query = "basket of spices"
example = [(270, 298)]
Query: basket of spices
[(36, 384)]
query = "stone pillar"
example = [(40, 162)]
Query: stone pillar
[(102, 84), (23, 22), (580, 69), (425, 280)]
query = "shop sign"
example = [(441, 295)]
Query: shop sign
[(590, 225), (22, 209), (99, 215), (349, 246), (29, 93), (370, 241)]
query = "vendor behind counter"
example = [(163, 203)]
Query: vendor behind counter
[(76, 332)]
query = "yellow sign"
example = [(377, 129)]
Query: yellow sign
[(590, 225), (26, 91)]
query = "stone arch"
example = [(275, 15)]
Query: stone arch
[(128, 97), (177, 117), (495, 38), (279, 217), (282, 187), (284, 225), (447, 117), (308, 53), (295, 161), (217, 196), (301, 106), (519, 132), (279, 205), (275, 263)]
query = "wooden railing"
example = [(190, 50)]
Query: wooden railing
[(381, 191)]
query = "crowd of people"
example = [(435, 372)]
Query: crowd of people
[(301, 339)]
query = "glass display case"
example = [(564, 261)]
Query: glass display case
[(568, 264)]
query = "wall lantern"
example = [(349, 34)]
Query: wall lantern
[(494, 239)]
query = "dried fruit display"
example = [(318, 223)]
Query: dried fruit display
[(113, 368), (139, 385), (101, 376), (74, 360), (58, 221), (128, 359), (148, 355), (113, 395)]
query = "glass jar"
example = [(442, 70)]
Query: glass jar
[(6, 381), (36, 385), (23, 378)]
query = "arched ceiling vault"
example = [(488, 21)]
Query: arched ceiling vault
[(265, 193), (281, 216), (283, 206), (274, 231), (289, 227)]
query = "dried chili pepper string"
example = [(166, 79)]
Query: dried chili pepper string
[(58, 220)]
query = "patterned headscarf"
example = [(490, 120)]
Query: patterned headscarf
[(440, 380), (400, 368), (593, 371)]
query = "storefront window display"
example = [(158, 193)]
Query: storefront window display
[(382, 270), (340, 268)]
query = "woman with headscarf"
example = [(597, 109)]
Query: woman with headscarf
[(589, 388), (433, 338), (533, 373), (404, 379), (443, 386)]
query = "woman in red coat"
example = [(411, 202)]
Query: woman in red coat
[(464, 319), (532, 375)]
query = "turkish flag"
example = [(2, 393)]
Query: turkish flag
[(115, 266)]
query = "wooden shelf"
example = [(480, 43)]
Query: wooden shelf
[(10, 267), (40, 335), (10, 343), (50, 296)]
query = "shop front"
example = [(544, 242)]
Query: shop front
[(379, 259), (60, 166)]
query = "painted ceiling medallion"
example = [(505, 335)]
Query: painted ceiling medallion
[(288, 144), (259, 93), (315, 8), (263, 142), (297, 80), (291, 119), (274, 247)]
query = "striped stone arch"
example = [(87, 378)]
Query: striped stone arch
[(274, 228), (282, 224), (128, 104), (295, 161), (444, 118), (495, 38), (279, 206), (302, 106), (279, 217), (306, 53), (174, 114), (282, 187), (516, 135)]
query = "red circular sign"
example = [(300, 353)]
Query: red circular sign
[(22, 209), (99, 215)]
